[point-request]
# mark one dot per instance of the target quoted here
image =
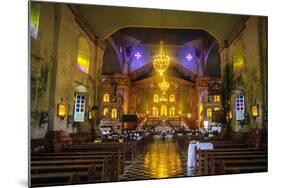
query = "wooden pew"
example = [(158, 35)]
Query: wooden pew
[(209, 159), (119, 152), (104, 165), (129, 148), (56, 176), (242, 166), (115, 163)]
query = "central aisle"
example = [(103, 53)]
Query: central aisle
[(160, 159)]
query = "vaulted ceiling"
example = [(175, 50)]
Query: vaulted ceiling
[(105, 20), (122, 25)]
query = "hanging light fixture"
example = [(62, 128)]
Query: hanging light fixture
[(164, 85), (161, 60)]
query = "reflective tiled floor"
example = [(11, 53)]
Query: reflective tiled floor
[(160, 159)]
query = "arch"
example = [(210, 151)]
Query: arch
[(155, 98), (83, 55), (172, 98), (213, 64), (172, 111), (106, 97), (114, 113), (81, 89), (155, 111), (209, 51), (105, 111), (163, 110)]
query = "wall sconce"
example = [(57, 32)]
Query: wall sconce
[(230, 114), (61, 110), (90, 114), (255, 110), (188, 115)]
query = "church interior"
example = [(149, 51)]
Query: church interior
[(120, 94)]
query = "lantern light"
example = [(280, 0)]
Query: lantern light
[(255, 111), (61, 109), (188, 115), (90, 114), (230, 114)]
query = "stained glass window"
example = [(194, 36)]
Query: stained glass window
[(238, 57), (83, 56), (34, 19)]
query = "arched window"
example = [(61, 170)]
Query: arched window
[(172, 98), (172, 111), (106, 97), (163, 110), (83, 55), (105, 111), (114, 113), (238, 57), (155, 98), (209, 113), (217, 98), (34, 19), (155, 111)]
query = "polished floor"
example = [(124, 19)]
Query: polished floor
[(160, 159)]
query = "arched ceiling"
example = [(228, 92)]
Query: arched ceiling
[(152, 36), (105, 20)]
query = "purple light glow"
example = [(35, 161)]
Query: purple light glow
[(138, 55), (189, 57)]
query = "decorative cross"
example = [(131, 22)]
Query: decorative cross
[(188, 57), (138, 55)]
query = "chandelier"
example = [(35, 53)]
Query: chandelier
[(164, 85), (161, 61)]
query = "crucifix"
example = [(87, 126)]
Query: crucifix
[(138, 55), (188, 57)]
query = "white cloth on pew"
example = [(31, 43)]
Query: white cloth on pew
[(192, 153), (217, 129)]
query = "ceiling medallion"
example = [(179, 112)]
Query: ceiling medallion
[(161, 61)]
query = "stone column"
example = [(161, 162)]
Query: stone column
[(202, 94), (99, 53), (55, 139)]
